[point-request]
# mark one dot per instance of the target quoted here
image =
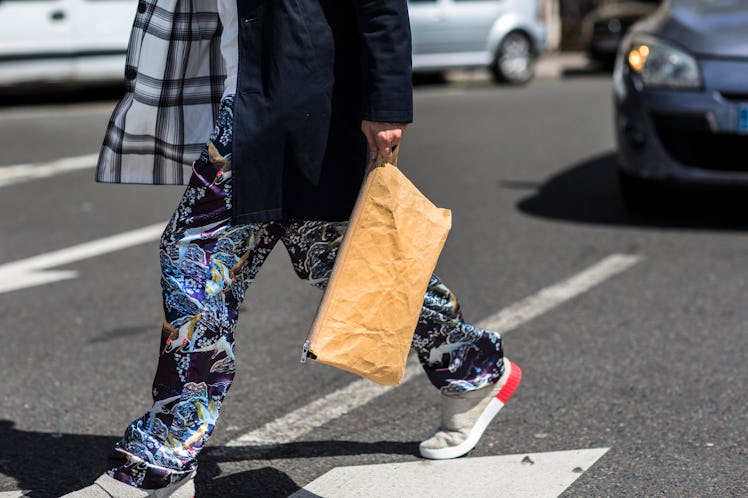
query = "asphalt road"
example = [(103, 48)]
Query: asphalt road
[(650, 363)]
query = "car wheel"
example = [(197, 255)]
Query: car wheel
[(514, 61), (637, 195)]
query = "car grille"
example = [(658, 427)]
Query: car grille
[(690, 141)]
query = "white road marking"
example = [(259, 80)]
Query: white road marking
[(29, 272), (317, 413), (533, 475), (360, 392), (550, 297), (10, 175), (14, 494), (548, 476)]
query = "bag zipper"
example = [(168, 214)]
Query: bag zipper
[(306, 351)]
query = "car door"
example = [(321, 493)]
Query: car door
[(35, 38), (428, 27), (101, 34), (469, 22)]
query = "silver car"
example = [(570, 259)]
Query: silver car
[(681, 99), (505, 36), (63, 41)]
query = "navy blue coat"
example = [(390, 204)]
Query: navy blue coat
[(309, 72)]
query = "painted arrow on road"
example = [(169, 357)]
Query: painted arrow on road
[(14, 494), (33, 271), (525, 475)]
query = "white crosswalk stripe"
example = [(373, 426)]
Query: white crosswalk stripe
[(533, 475), (20, 173), (14, 494)]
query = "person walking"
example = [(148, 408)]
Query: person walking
[(271, 110)]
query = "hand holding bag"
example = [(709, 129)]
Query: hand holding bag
[(370, 309)]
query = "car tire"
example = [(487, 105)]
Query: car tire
[(514, 60), (637, 195)]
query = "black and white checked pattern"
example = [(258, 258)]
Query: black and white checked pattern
[(174, 79)]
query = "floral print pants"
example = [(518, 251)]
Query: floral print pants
[(207, 264)]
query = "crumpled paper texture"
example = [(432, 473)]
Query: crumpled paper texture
[(370, 309)]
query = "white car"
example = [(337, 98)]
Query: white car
[(505, 36), (64, 41), (84, 41)]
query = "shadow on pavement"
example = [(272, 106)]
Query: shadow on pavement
[(51, 465), (269, 482), (587, 192), (266, 482), (124, 332), (433, 78), (591, 69), (54, 95)]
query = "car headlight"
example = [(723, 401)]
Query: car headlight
[(662, 65)]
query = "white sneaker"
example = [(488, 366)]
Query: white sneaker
[(109, 487), (465, 416)]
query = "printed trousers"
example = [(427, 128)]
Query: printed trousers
[(207, 264)]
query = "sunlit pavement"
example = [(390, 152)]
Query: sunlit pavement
[(629, 329)]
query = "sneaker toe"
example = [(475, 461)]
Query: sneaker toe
[(444, 439)]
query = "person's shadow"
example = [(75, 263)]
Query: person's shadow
[(588, 192), (51, 465)]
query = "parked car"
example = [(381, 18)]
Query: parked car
[(604, 27), (63, 41), (681, 99), (84, 41), (505, 36)]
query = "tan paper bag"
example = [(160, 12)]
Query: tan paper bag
[(367, 316)]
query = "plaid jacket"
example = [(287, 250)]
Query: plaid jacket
[(174, 79)]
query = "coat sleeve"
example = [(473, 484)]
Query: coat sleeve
[(384, 31)]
